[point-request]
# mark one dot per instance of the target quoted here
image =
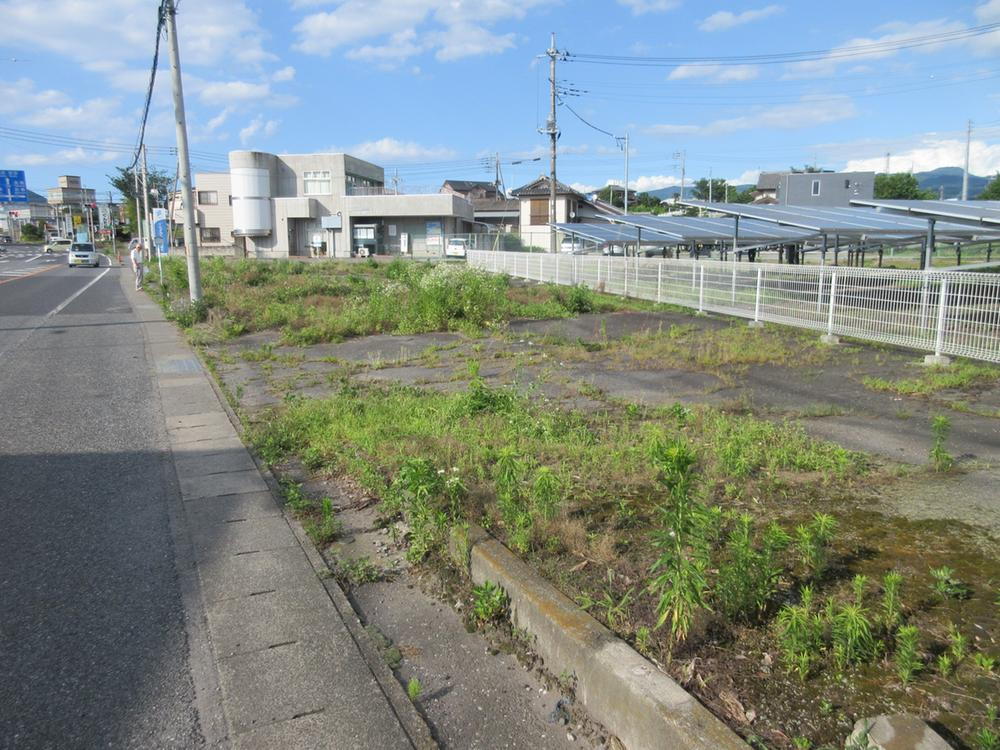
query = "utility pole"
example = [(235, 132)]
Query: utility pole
[(138, 208), (113, 225), (184, 173), (965, 172), (682, 155), (887, 153), (553, 132), (626, 174), (710, 186), (145, 207)]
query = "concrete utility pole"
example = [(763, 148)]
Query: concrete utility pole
[(138, 208), (145, 207), (112, 224), (184, 172), (553, 133), (626, 174), (682, 155), (887, 162), (965, 172)]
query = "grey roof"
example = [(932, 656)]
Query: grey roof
[(503, 205), (711, 229), (769, 180), (979, 213), (848, 222), (540, 187)]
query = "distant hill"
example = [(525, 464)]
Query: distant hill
[(670, 192), (950, 178)]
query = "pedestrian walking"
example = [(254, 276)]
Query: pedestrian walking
[(136, 255)]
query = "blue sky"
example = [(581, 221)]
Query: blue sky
[(432, 89)]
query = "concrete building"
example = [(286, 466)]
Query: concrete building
[(831, 189), (36, 211), (331, 205), (70, 200)]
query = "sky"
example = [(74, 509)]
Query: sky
[(437, 89)]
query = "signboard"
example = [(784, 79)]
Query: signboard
[(404, 243), (161, 237), (433, 234), (13, 188), (329, 222)]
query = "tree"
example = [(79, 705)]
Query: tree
[(160, 185), (30, 232), (992, 191), (701, 191), (900, 186), (742, 196)]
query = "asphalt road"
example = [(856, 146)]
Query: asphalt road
[(93, 645)]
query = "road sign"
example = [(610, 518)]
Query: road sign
[(13, 188)]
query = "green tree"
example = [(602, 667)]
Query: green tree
[(701, 192), (900, 186), (992, 191), (742, 196), (160, 185), (30, 232)]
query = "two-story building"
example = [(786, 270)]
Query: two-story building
[(331, 205), (571, 207), (829, 189)]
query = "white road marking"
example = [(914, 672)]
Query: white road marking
[(36, 257), (54, 311)]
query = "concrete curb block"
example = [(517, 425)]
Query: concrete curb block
[(637, 702), (412, 722)]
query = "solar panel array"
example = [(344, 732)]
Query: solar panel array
[(983, 213)]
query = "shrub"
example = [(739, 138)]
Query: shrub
[(489, 602), (800, 634), (750, 571), (812, 541), (908, 661)]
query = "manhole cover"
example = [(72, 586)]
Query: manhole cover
[(186, 366)]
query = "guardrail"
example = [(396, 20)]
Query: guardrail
[(947, 313)]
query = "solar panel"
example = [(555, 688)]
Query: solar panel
[(600, 232), (712, 229), (849, 222), (982, 213)]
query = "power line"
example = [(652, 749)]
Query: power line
[(777, 58), (149, 90)]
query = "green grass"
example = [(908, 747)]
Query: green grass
[(956, 376), (331, 301)]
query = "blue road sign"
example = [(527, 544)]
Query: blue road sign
[(13, 188), (160, 230)]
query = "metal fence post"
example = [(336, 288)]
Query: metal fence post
[(576, 270), (734, 278), (659, 282), (701, 289), (833, 302), (819, 295), (625, 275), (942, 301), (557, 270), (756, 304)]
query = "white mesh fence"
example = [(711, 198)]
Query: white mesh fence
[(943, 312)]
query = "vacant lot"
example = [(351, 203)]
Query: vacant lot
[(800, 535)]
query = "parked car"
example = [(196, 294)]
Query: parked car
[(5, 239), (58, 244), (457, 247), (84, 254), (572, 246)]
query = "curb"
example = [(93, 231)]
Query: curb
[(637, 702), (410, 719)]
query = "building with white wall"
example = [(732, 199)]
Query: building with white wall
[(332, 205), (571, 207)]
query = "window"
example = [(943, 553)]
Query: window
[(316, 183), (210, 234), (847, 184), (815, 190), (208, 198), (539, 212)]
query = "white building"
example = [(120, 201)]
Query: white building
[(571, 207), (321, 205)]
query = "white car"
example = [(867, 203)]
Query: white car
[(84, 254), (457, 247), (571, 246), (58, 244)]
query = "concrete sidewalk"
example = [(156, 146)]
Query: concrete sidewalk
[(291, 666)]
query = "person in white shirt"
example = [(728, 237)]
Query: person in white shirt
[(136, 256)]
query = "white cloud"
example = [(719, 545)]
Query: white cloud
[(639, 7), (582, 187), (225, 92), (286, 73), (452, 29), (726, 19), (893, 32), (217, 121), (808, 112), (720, 73), (258, 126), (65, 156), (747, 178), (931, 153), (22, 96), (653, 182), (391, 149)]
